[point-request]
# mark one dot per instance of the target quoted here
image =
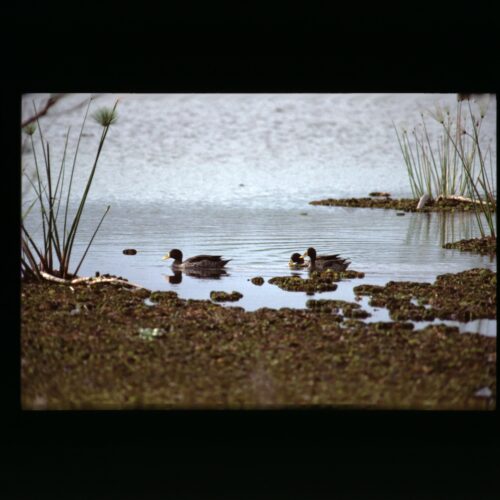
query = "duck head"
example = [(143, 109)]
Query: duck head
[(311, 253), (296, 259), (173, 254)]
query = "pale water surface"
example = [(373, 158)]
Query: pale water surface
[(232, 174)]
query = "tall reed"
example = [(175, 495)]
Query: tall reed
[(53, 255), (455, 164)]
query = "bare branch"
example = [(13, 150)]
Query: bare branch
[(50, 102)]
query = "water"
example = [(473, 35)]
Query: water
[(233, 175)]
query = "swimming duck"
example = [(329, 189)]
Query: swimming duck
[(320, 263), (297, 261), (198, 262)]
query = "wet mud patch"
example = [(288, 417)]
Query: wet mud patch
[(121, 353), (464, 296), (485, 246), (402, 204)]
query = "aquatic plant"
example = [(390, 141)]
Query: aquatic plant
[(456, 164), (53, 256)]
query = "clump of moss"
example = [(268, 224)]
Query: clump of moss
[(463, 297), (403, 204), (298, 284), (225, 297), (318, 281), (257, 280), (486, 245)]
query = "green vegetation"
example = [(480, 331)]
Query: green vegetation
[(53, 256), (102, 347)]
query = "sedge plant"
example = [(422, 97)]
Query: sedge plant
[(59, 231), (455, 164)]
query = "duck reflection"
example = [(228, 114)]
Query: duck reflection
[(211, 274)]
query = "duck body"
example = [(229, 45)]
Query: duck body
[(198, 262), (296, 261), (320, 263)]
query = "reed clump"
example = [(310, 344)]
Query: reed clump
[(53, 255), (456, 165)]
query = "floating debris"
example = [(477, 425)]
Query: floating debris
[(400, 213), (225, 297), (130, 251)]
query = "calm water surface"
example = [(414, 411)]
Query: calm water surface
[(232, 175)]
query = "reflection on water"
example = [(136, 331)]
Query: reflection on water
[(206, 274), (449, 227)]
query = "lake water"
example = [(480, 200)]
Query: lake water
[(232, 174)]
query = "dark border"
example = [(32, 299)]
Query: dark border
[(245, 56)]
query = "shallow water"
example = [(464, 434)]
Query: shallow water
[(260, 241), (233, 175)]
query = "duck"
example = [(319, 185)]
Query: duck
[(320, 263), (297, 261), (198, 262)]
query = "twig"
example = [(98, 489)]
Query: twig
[(89, 281), (461, 198), (50, 102)]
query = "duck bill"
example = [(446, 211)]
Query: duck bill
[(165, 257)]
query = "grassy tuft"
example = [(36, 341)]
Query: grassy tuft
[(105, 116)]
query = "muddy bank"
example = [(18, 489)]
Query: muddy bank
[(485, 246), (402, 204), (106, 347)]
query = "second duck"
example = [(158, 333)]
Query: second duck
[(320, 263)]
